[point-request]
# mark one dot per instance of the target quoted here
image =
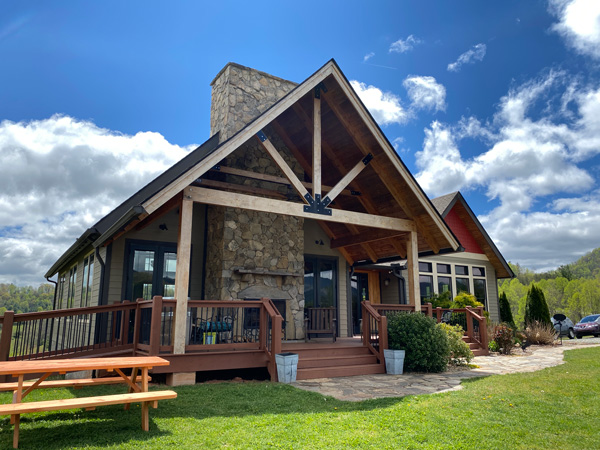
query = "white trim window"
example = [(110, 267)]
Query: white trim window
[(87, 280)]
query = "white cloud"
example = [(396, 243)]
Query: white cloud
[(531, 156), (58, 176), (579, 24), (425, 93), (368, 56), (405, 45), (476, 53), (385, 106)]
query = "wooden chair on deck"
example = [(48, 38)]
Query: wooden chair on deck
[(320, 321)]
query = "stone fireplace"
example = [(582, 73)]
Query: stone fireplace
[(252, 254)]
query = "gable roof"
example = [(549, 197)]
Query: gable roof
[(447, 203), (355, 130)]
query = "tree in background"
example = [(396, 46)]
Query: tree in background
[(505, 312), (536, 308)]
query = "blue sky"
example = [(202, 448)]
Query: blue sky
[(500, 100)]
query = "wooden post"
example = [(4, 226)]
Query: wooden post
[(366, 324), (262, 330), (182, 274), (136, 325), (7, 328), (383, 336), (429, 309), (157, 307), (125, 324), (316, 147), (275, 345), (469, 323), (438, 314), (412, 254)]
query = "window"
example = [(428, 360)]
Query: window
[(425, 267), (444, 285), (462, 285), (426, 285), (86, 282), (71, 288), (479, 288), (62, 295), (478, 272), (443, 268), (461, 270)]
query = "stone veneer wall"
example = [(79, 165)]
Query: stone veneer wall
[(251, 240)]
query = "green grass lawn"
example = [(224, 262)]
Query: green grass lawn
[(552, 408)]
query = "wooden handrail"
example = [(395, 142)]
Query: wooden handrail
[(25, 317), (368, 312)]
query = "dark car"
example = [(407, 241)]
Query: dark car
[(589, 325)]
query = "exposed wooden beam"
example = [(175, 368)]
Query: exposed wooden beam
[(384, 173), (241, 188), (316, 168), (285, 168), (345, 181), (399, 246), (363, 238), (222, 198), (268, 178), (182, 273)]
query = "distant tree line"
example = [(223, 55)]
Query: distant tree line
[(572, 289), (22, 299)]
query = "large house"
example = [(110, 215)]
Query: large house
[(297, 197)]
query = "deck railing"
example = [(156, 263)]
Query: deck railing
[(374, 323), (143, 327), (374, 330)]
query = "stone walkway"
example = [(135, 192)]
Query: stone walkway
[(381, 385)]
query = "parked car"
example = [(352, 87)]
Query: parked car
[(589, 325), (564, 328)]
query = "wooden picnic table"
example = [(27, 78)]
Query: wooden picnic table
[(138, 393)]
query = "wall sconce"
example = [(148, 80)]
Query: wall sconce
[(386, 282), (319, 242), (163, 227)]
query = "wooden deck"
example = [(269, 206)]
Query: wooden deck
[(221, 335)]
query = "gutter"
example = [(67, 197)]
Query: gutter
[(86, 239), (134, 213)]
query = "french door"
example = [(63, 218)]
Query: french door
[(150, 270), (320, 282)]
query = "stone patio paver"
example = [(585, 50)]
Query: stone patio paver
[(365, 387)]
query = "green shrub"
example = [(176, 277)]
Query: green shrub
[(443, 300), (465, 299), (536, 308), (425, 344), (493, 346), (503, 336), (460, 353), (505, 311)]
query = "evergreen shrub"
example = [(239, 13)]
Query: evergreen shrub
[(505, 311), (465, 299), (536, 308), (426, 345)]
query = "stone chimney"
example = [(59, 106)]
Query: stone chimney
[(252, 254), (241, 94)]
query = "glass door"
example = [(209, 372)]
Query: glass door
[(150, 270), (320, 283)]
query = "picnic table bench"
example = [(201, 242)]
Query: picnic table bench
[(138, 393)]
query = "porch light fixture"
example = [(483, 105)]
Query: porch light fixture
[(386, 282)]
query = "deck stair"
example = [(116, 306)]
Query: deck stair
[(328, 360), (475, 347)]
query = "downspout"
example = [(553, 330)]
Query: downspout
[(102, 268), (55, 292)]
